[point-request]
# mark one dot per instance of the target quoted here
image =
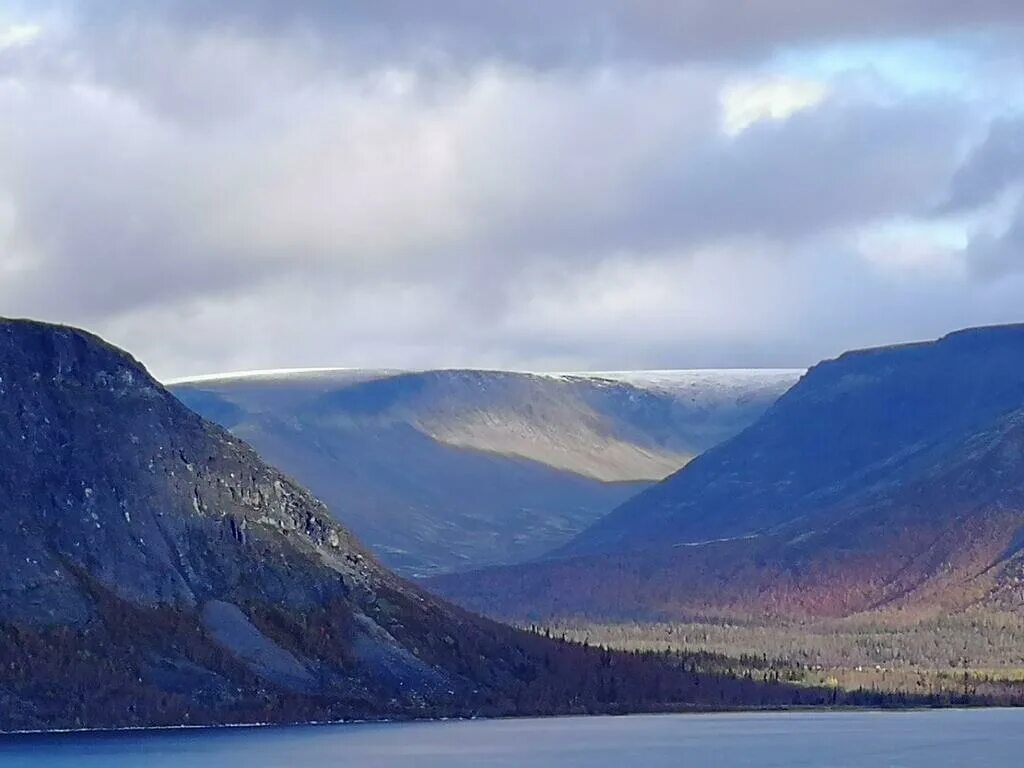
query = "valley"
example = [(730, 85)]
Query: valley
[(158, 572), (982, 652), (449, 470), (855, 542), (887, 483), (867, 529)]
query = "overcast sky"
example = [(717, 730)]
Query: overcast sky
[(574, 184)]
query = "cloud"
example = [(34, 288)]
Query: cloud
[(204, 58), (605, 184), (993, 166), (568, 32), (993, 256), (747, 102), (17, 35), (989, 187), (723, 306), (359, 180)]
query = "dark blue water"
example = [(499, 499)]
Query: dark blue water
[(990, 738)]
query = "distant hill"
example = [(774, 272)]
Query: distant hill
[(454, 469), (887, 480), (156, 571)]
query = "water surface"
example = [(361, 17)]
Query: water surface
[(924, 739)]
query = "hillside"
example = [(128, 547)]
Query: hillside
[(449, 470), (156, 571), (887, 481)]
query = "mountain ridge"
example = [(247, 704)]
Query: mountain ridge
[(886, 480), (913, 408)]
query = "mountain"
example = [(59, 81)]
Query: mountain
[(887, 481), (156, 571), (449, 470)]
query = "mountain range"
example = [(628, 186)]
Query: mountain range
[(449, 470), (157, 571), (887, 482)]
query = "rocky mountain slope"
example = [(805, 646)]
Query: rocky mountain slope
[(888, 480), (156, 571), (453, 469)]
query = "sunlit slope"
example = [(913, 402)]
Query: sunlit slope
[(888, 480)]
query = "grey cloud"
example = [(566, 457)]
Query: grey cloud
[(571, 31), (994, 256), (832, 165), (458, 188), (102, 203), (724, 309), (836, 164), (993, 169), (460, 183), (994, 165)]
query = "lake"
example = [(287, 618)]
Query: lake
[(924, 739)]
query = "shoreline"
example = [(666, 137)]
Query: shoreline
[(173, 729)]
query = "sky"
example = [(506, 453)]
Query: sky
[(568, 185)]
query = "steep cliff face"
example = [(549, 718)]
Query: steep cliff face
[(104, 472), (888, 479), (156, 571)]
